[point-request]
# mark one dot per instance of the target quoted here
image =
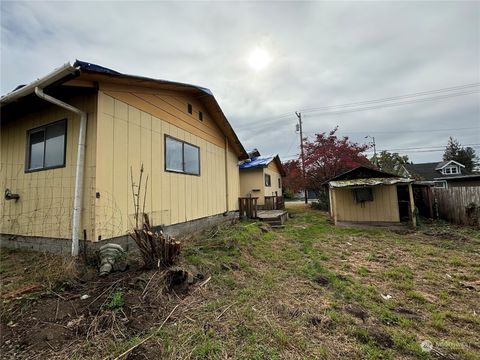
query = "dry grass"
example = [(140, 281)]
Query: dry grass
[(308, 291)]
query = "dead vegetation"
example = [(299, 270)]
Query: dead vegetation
[(309, 290)]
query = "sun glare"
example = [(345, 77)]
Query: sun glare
[(259, 59)]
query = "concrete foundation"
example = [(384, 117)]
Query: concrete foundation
[(64, 246)]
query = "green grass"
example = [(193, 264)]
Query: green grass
[(289, 297)]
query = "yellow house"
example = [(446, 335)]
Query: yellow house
[(261, 176), (71, 141), (370, 196)]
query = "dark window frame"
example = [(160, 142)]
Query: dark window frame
[(183, 156), (28, 149), (190, 109), (279, 183), (269, 182), (200, 116), (367, 194)]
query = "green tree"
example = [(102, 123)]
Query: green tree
[(464, 155), (390, 162)]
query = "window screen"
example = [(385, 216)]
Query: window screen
[(46, 146), (181, 156)]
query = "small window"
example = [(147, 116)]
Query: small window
[(440, 184), (200, 116), (46, 146), (454, 170), (362, 195), (268, 180), (279, 183), (189, 108), (181, 157), (448, 170)]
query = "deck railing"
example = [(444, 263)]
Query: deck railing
[(274, 202), (248, 207)]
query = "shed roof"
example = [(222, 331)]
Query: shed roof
[(361, 172), (369, 182)]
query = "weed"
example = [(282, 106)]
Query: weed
[(116, 300)]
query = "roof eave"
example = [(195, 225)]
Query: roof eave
[(49, 79)]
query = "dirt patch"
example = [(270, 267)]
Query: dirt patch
[(114, 306)]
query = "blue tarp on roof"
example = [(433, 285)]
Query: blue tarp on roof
[(83, 65), (256, 162)]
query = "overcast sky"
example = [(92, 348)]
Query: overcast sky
[(305, 55)]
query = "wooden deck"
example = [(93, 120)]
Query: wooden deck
[(275, 218)]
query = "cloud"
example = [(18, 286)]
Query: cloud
[(322, 54)]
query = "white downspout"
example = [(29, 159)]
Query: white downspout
[(78, 192)]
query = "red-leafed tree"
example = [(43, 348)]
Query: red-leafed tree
[(293, 181), (328, 156)]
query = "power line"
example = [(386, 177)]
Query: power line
[(408, 102), (423, 93), (413, 149), (389, 99)]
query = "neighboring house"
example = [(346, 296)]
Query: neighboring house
[(261, 176), (440, 175), (73, 172), (369, 196)]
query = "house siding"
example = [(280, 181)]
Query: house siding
[(383, 208), (274, 173), (131, 131), (251, 179), (46, 197)]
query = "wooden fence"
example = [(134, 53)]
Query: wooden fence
[(247, 207), (274, 203), (452, 204)]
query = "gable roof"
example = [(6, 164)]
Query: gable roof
[(443, 164), (91, 72), (430, 171), (261, 162), (361, 172)]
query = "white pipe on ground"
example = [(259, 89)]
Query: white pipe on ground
[(78, 192)]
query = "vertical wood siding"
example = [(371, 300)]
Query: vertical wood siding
[(46, 197), (384, 206), (251, 179), (274, 173), (452, 203), (131, 130)]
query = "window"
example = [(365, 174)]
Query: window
[(279, 183), (200, 116), (189, 108), (46, 146), (268, 180), (362, 195), (441, 184), (451, 170), (181, 157)]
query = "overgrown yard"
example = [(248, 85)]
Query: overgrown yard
[(307, 291)]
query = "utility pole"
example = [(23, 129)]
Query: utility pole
[(299, 127), (374, 148)]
